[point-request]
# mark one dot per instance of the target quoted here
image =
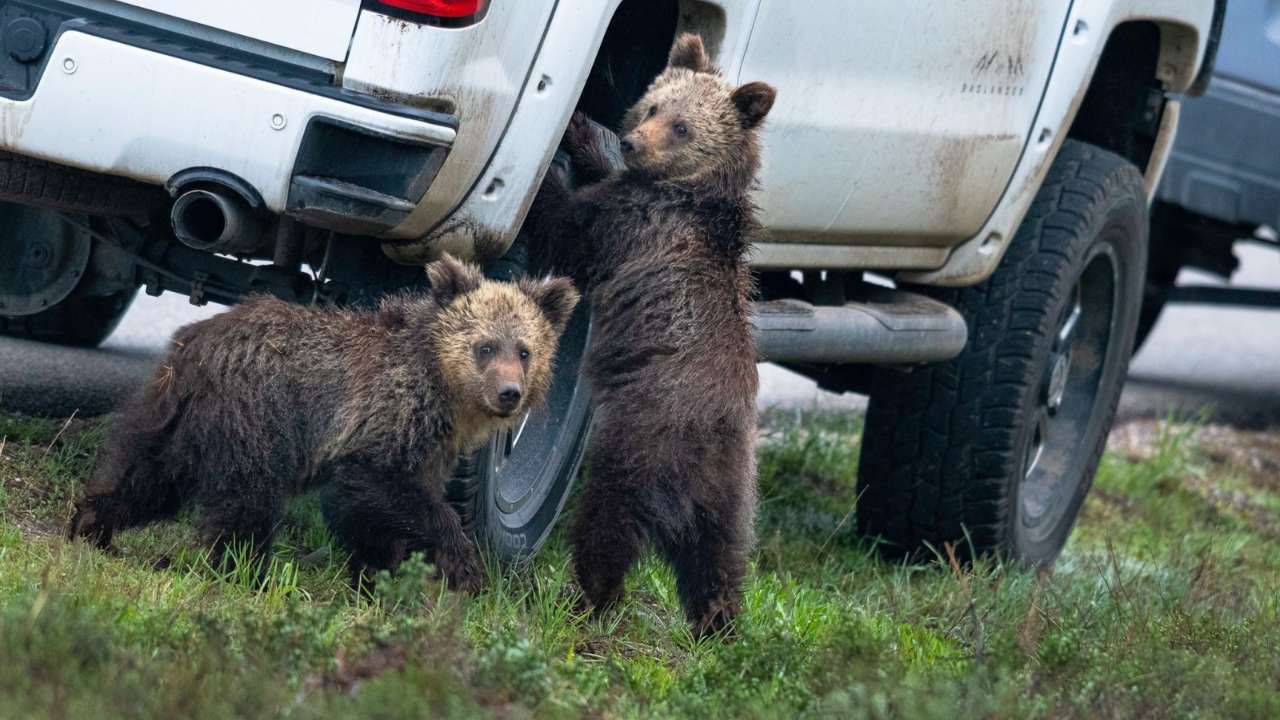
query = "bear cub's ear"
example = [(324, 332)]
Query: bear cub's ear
[(689, 53), (451, 278), (556, 297), (753, 101)]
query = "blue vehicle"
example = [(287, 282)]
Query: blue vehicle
[(1222, 183)]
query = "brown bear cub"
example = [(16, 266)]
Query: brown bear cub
[(271, 399), (660, 247)]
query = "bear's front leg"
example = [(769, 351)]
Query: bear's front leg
[(382, 516), (595, 151), (239, 512), (456, 557)]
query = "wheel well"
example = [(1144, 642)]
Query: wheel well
[(634, 51), (1123, 106)]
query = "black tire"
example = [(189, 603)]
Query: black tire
[(44, 184), (1155, 296), (47, 288), (1163, 265), (511, 493), (972, 451), (77, 320)]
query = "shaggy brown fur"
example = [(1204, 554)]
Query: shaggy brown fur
[(270, 399), (661, 246)]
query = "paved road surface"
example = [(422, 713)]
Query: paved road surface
[(1197, 357), (1224, 358)]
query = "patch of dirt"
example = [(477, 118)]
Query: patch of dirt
[(1256, 455), (21, 514), (349, 672), (31, 528), (1135, 440), (1259, 517), (1120, 501), (1251, 455)]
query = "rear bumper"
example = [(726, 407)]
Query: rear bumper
[(115, 107)]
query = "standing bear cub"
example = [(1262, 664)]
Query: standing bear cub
[(271, 399), (660, 247)]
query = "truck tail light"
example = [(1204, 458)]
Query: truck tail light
[(450, 13)]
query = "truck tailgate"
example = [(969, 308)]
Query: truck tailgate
[(315, 27)]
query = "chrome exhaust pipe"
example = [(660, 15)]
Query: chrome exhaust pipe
[(215, 221)]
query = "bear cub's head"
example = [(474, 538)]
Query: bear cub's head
[(693, 126), (496, 341)]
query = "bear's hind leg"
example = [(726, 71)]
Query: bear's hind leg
[(146, 496), (607, 536), (710, 562), (129, 487)]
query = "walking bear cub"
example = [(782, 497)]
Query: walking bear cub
[(270, 399), (660, 247)]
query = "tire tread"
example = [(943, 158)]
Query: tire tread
[(39, 182), (938, 446)]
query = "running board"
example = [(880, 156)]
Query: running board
[(891, 328), (1225, 295)]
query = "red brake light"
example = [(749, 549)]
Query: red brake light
[(447, 9)]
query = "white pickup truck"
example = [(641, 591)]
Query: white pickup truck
[(955, 198)]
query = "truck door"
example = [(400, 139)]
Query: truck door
[(897, 123)]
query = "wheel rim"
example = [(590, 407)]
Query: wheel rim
[(1083, 347), (42, 259), (529, 469)]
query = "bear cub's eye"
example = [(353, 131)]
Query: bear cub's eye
[(680, 129), (524, 354), (653, 110), (486, 350)]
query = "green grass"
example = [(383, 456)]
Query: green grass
[(1165, 604)]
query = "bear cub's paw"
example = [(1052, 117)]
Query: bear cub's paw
[(460, 567), (716, 619), (91, 524)]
